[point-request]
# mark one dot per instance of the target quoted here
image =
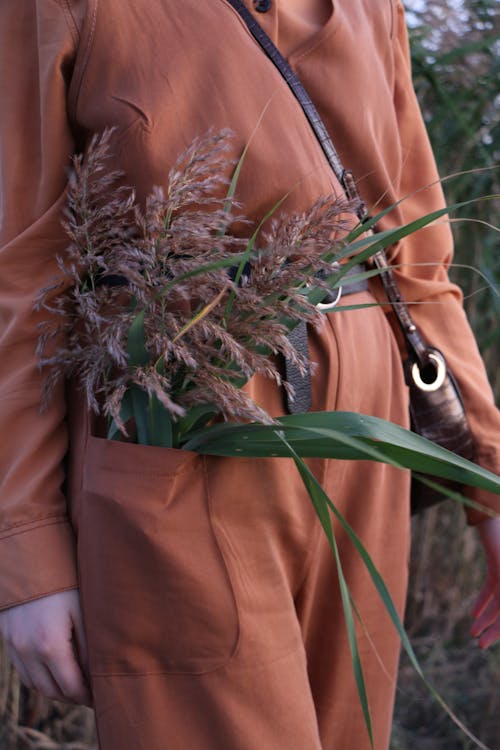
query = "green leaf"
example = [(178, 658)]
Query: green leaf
[(136, 342), (362, 249), (140, 409), (160, 423), (317, 495), (372, 221), (232, 186), (234, 180), (452, 494), (194, 419), (343, 435)]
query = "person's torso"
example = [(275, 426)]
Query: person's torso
[(164, 72)]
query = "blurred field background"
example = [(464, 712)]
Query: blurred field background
[(456, 71)]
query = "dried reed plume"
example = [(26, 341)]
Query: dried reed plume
[(204, 334)]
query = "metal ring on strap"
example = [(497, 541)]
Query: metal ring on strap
[(440, 370), (325, 306)]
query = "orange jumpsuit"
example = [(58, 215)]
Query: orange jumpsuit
[(209, 595)]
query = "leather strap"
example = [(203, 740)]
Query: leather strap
[(416, 346), (300, 381), (298, 338), (298, 90)]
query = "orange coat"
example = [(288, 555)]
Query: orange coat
[(163, 72)]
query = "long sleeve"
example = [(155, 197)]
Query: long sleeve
[(441, 316), (37, 48)]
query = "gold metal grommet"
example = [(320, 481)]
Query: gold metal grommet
[(440, 370)]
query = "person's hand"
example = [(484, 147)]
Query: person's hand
[(486, 612), (46, 643)]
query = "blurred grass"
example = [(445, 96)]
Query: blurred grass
[(456, 68), (446, 573), (29, 721), (456, 75)]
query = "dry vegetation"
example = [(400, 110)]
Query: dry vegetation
[(447, 566), (30, 722), (456, 68), (446, 575)]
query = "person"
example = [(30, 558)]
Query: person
[(210, 617)]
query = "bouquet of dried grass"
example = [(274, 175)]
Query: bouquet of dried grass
[(162, 316), (164, 320)]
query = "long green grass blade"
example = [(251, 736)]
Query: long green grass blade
[(236, 174), (343, 435), (374, 219), (140, 409), (391, 236), (453, 495), (325, 520), (136, 342), (383, 592), (232, 186)]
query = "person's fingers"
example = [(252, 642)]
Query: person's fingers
[(42, 636), (484, 596), (488, 616), (43, 680), (20, 668), (67, 673), (490, 636)]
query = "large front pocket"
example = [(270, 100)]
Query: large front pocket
[(155, 590)]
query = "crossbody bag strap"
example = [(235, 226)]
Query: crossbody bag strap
[(417, 347), (299, 92)]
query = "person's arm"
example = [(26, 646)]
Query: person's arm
[(486, 611), (441, 316), (40, 618), (37, 546)]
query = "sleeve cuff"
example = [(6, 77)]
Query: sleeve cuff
[(37, 560)]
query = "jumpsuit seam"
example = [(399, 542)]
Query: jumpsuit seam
[(324, 34), (18, 529), (232, 586), (179, 673), (70, 21)]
